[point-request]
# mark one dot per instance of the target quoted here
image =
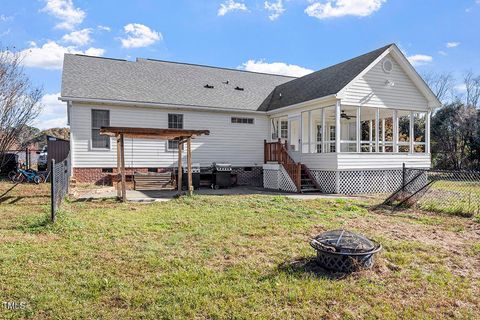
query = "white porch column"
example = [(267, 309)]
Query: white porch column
[(377, 120), (359, 130), (395, 131), (411, 133), (338, 110), (427, 132)]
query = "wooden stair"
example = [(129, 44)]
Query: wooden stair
[(308, 182), (299, 173)]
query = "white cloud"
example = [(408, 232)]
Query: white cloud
[(104, 28), (452, 44), (4, 18), (419, 59), (54, 113), (139, 36), (50, 55), (461, 88), (229, 6), (276, 9), (79, 38), (97, 52), (275, 68), (340, 8), (442, 53), (65, 11), (5, 33)]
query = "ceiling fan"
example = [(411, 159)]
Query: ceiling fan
[(343, 115)]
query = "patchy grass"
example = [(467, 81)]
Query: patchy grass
[(452, 197), (227, 257)]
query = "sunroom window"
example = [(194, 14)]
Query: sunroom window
[(348, 129), (419, 121), (403, 131), (385, 132), (330, 132), (368, 124)]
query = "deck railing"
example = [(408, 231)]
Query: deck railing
[(277, 152)]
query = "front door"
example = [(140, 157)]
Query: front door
[(294, 137)]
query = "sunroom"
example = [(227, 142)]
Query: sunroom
[(354, 149)]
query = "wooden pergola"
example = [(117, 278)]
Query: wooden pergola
[(181, 135)]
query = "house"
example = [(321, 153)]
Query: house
[(346, 129)]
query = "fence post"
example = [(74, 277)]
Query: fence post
[(403, 176), (52, 191)]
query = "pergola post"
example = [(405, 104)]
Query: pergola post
[(119, 169), (180, 170), (189, 165), (122, 168)]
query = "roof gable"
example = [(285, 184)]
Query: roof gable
[(319, 84)]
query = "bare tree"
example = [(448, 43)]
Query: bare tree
[(441, 84), (472, 89), (19, 99)]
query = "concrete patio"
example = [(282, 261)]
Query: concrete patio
[(166, 195)]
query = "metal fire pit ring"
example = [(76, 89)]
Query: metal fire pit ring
[(331, 255)]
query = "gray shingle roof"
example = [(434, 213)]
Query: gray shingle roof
[(319, 84), (163, 82)]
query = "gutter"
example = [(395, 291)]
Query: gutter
[(156, 105), (332, 97)]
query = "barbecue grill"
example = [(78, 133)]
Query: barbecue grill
[(345, 251), (195, 176), (221, 175)]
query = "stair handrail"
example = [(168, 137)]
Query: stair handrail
[(276, 151)]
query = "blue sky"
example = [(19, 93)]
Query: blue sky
[(289, 36)]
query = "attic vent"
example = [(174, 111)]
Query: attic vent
[(207, 86), (239, 88), (387, 66)]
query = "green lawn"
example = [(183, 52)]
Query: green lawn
[(239, 257)]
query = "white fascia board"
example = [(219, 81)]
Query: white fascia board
[(331, 98), (386, 107), (156, 105)]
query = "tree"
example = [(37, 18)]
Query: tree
[(19, 99), (454, 126), (441, 84), (472, 89)]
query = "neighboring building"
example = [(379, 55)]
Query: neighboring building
[(352, 125)]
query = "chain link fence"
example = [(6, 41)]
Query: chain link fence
[(60, 178), (444, 191)]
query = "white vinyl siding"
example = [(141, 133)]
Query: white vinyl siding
[(226, 142), (371, 89)]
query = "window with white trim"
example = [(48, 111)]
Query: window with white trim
[(175, 121), (284, 129), (242, 120), (100, 118)]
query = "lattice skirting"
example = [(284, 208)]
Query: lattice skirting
[(358, 181), (248, 176), (278, 179)]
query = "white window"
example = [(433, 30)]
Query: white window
[(242, 120), (100, 118), (175, 121), (284, 129)]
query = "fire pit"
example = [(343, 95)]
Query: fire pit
[(344, 251)]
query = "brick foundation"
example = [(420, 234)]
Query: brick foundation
[(248, 176)]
